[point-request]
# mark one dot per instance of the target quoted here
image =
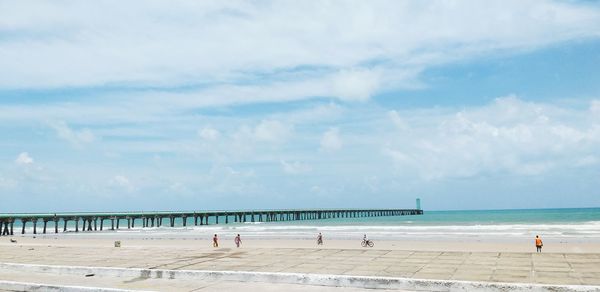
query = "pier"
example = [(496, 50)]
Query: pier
[(55, 222)]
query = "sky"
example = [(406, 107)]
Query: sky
[(212, 105)]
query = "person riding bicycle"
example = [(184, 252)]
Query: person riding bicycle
[(366, 242)]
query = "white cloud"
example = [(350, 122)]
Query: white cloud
[(295, 167), (246, 139), (7, 183), (356, 84), (24, 159), (397, 120), (345, 50), (272, 131), (209, 133), (317, 114), (595, 107), (178, 57), (587, 161), (506, 139), (76, 138), (506, 136), (70, 44), (331, 140), (121, 182)]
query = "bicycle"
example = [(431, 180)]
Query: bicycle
[(366, 243)]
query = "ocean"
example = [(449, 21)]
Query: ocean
[(581, 224)]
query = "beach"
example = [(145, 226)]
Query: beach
[(226, 241), (560, 264), (474, 248)]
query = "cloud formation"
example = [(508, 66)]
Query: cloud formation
[(331, 140), (272, 131), (381, 150), (280, 102), (121, 182), (24, 159), (344, 49), (209, 133), (509, 136), (76, 138), (295, 167)]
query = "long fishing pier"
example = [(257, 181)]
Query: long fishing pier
[(96, 221)]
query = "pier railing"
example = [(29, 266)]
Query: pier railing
[(95, 221)]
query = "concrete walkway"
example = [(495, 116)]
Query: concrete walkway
[(28, 281), (572, 269)]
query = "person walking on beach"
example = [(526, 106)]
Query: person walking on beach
[(538, 243), (320, 239), (237, 240), (215, 241)]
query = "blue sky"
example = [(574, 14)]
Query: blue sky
[(239, 105)]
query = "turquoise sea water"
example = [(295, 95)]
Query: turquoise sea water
[(583, 223), (580, 224), (479, 217)]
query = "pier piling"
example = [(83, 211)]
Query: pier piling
[(154, 219)]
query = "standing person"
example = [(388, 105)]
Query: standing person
[(237, 240), (320, 239), (538, 243), (215, 241)]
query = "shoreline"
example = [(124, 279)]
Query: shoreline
[(226, 241)]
